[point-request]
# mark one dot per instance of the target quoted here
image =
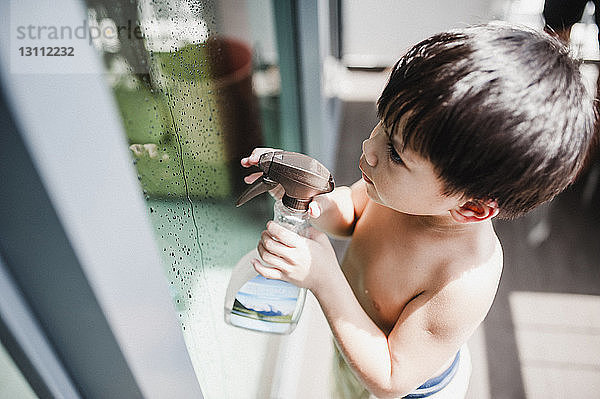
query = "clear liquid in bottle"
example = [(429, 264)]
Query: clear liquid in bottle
[(257, 303)]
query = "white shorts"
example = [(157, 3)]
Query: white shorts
[(458, 386)]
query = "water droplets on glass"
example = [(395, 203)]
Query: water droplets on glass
[(194, 99)]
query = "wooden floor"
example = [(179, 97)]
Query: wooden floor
[(541, 338)]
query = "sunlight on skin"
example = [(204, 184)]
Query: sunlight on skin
[(379, 353)]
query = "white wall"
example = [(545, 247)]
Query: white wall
[(250, 21), (379, 32)]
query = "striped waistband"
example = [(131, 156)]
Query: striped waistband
[(436, 384)]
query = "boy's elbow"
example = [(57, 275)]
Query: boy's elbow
[(395, 385), (390, 392)]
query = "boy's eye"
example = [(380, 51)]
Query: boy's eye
[(393, 154)]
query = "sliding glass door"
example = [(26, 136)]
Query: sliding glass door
[(129, 152), (198, 86)]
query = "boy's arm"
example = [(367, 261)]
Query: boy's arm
[(340, 209), (430, 330)]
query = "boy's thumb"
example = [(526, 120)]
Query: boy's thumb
[(314, 210)]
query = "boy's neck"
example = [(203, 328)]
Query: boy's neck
[(445, 224)]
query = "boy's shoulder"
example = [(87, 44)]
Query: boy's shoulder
[(462, 291), (461, 270), (441, 265)]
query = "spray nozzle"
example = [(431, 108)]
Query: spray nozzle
[(301, 177)]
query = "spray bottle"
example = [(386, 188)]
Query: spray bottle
[(253, 301)]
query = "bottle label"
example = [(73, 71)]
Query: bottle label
[(267, 300)]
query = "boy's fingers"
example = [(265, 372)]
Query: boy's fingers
[(252, 177), (284, 254), (320, 203), (317, 235), (271, 259), (268, 272), (274, 246), (255, 156), (283, 235), (314, 210)]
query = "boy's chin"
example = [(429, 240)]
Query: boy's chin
[(373, 195)]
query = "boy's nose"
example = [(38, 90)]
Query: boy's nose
[(370, 156)]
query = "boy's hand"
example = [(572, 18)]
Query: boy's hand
[(252, 160), (315, 207), (319, 204), (307, 262)]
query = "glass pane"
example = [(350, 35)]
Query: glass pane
[(197, 86), (12, 383)]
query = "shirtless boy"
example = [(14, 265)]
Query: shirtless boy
[(483, 122)]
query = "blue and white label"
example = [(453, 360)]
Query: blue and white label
[(269, 300)]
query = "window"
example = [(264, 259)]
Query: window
[(197, 87)]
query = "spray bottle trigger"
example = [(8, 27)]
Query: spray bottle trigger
[(261, 185)]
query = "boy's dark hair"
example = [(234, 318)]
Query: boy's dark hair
[(501, 112)]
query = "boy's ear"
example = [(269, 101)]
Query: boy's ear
[(475, 211)]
